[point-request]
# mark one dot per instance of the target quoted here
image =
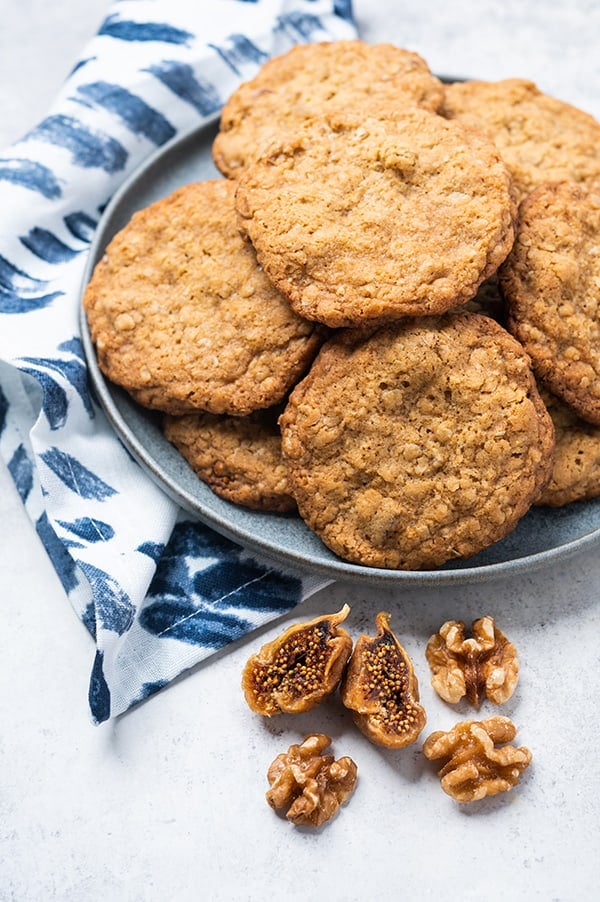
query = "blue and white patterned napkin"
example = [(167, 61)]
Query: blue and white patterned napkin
[(157, 590)]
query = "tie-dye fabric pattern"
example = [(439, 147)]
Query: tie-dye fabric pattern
[(157, 590)]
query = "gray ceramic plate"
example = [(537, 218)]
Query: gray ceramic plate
[(542, 536)]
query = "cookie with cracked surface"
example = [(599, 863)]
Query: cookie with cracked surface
[(312, 78), (183, 317), (550, 282), (377, 219), (576, 471), (238, 457), (541, 139), (417, 442)]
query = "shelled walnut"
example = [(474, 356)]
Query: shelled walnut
[(381, 689), (300, 668), (484, 664), (310, 785), (474, 767)]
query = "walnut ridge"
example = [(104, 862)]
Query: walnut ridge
[(484, 664), (474, 768), (381, 689), (300, 668), (310, 785)]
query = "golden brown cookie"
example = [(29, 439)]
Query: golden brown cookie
[(417, 442), (238, 457), (356, 220), (311, 79), (551, 283), (541, 139), (183, 317), (576, 472)]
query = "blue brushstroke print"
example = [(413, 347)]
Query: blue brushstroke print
[(343, 9), (74, 371), (114, 609), (76, 476), (188, 541), (135, 113), (247, 583), (148, 689), (89, 528), (81, 63), (88, 618), (128, 30), (45, 245), (16, 279), (99, 693), (3, 410), (73, 346), (14, 303), (186, 601), (19, 292), (54, 404), (180, 79), (20, 468), (61, 560), (196, 626), (240, 51), (305, 26), (89, 149), (30, 175), (153, 550), (72, 543), (81, 225)]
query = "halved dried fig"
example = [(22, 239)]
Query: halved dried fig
[(381, 689), (300, 668)]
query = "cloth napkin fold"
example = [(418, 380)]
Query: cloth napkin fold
[(157, 590)]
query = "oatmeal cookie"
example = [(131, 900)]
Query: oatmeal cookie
[(576, 471), (541, 139), (407, 216), (417, 442), (550, 282), (311, 79), (184, 319), (238, 457)]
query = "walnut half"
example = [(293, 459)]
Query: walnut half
[(310, 785), (474, 767), (484, 664)]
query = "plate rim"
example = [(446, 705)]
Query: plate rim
[(337, 569)]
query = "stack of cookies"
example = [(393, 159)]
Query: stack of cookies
[(385, 317)]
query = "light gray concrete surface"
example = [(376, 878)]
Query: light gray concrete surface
[(167, 803)]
